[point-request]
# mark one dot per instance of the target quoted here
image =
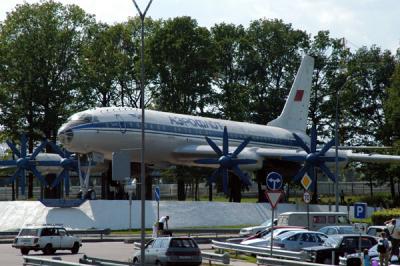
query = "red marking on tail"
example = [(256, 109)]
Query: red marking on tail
[(299, 95)]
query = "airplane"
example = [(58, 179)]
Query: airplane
[(177, 139)]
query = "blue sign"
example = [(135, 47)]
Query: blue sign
[(157, 194), (360, 210), (274, 181)]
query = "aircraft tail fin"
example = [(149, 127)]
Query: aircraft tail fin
[(295, 112)]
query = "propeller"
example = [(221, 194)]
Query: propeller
[(313, 158), (24, 162), (68, 163), (227, 161)]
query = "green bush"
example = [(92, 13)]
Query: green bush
[(379, 217)]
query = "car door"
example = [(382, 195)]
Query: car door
[(54, 238), (66, 241), (148, 251)]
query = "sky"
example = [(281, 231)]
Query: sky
[(360, 22)]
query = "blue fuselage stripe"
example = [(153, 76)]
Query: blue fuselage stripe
[(180, 131)]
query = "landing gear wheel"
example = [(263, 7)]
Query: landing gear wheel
[(48, 250), (75, 248), (24, 251)]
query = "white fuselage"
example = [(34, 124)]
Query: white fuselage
[(108, 130)]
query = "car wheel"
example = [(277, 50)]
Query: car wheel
[(327, 261), (24, 251), (75, 248), (48, 250)]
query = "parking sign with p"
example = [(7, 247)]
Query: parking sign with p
[(360, 210)]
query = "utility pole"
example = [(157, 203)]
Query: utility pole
[(142, 164)]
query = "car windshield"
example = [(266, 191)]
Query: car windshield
[(29, 232), (183, 243), (346, 230), (332, 241), (266, 223)]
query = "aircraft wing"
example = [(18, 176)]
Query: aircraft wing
[(279, 154), (372, 158)]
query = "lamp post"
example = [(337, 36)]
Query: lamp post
[(142, 165)]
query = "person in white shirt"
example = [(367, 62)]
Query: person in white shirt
[(393, 232), (163, 225)]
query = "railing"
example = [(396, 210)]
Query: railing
[(36, 261), (278, 262), (216, 231), (278, 253), (99, 261)]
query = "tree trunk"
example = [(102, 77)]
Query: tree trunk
[(210, 194), (181, 190)]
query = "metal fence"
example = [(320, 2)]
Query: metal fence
[(170, 191)]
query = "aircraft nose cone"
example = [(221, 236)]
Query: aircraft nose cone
[(65, 136)]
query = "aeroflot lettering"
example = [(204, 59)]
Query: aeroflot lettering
[(182, 121)]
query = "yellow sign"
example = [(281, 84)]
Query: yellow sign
[(306, 181)]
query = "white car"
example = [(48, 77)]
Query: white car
[(47, 238), (265, 240), (247, 231)]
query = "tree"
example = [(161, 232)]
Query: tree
[(181, 53), (40, 46)]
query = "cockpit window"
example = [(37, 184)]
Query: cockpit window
[(83, 118)]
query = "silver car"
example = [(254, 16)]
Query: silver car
[(163, 251), (296, 240)]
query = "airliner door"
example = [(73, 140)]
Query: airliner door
[(122, 123)]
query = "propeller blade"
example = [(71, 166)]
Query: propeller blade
[(13, 148), (24, 140), (56, 149), (214, 146), (311, 171), (225, 181), (225, 143), (47, 163), (22, 181), (313, 138), (241, 147), (326, 170), (243, 161), (301, 143), (243, 177), (328, 146), (8, 162), (66, 182), (207, 161), (300, 174), (38, 149), (58, 179), (39, 175), (214, 175)]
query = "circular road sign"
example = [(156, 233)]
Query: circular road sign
[(307, 197), (274, 181)]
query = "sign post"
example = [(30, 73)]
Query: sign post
[(307, 200), (274, 183), (157, 197)]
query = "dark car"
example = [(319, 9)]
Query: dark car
[(171, 251), (341, 245)]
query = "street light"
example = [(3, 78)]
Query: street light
[(142, 165)]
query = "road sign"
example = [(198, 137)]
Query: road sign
[(307, 197), (274, 181), (157, 194), (306, 181), (360, 210), (273, 197)]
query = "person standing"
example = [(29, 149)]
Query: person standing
[(384, 249), (163, 225), (393, 234)]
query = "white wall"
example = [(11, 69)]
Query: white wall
[(114, 214)]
